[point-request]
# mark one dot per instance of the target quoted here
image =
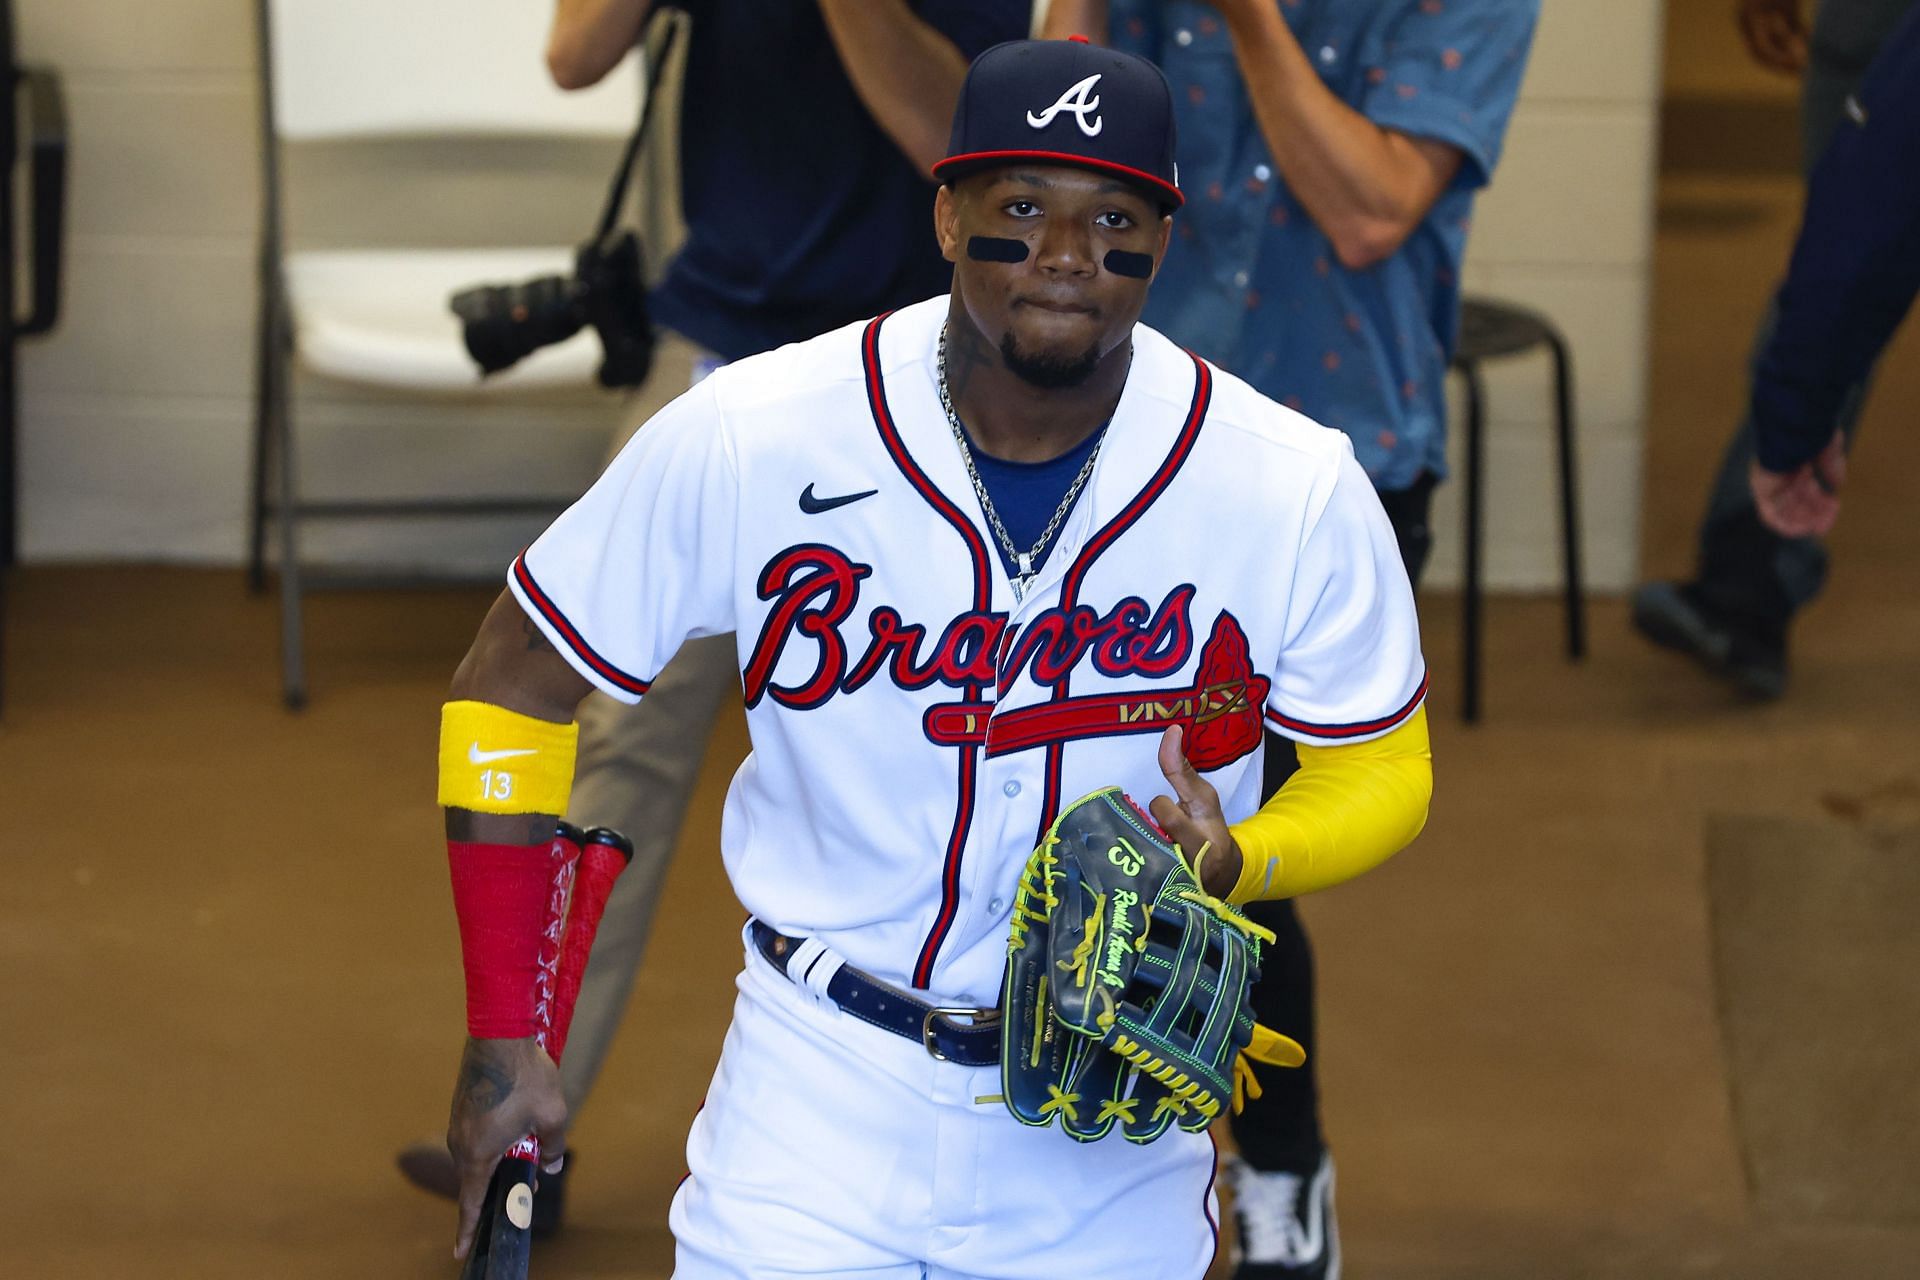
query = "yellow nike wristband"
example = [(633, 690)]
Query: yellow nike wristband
[(493, 760), (1346, 811)]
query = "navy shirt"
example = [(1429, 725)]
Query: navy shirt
[(1856, 265), (1253, 284), (802, 215)]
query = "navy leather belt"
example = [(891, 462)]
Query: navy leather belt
[(970, 1044)]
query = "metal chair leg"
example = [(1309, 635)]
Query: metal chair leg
[(266, 354), (1470, 594), (1569, 498), (293, 677)]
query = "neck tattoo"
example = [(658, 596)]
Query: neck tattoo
[(1026, 562)]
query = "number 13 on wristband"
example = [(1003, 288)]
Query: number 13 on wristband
[(493, 760)]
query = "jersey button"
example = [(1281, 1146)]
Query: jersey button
[(997, 905), (1012, 788)]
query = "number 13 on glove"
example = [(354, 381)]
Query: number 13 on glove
[(1126, 992)]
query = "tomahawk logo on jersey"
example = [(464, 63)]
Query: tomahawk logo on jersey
[(915, 728)]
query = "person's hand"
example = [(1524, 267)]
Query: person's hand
[(1194, 819), (506, 1090), (1775, 32), (1803, 503)]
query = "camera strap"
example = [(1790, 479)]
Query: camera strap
[(661, 34)]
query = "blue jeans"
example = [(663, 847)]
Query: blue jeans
[(1747, 572)]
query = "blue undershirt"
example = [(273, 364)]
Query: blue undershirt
[(1026, 493)]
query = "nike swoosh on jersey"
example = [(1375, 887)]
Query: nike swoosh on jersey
[(476, 756), (814, 506)]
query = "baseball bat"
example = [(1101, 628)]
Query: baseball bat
[(501, 1240), (584, 869), (604, 854)]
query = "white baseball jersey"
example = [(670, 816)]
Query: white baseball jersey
[(915, 728)]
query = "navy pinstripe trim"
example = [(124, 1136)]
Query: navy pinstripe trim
[(568, 632), (982, 602), (1357, 728)]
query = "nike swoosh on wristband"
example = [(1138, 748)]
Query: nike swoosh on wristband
[(814, 506), (476, 756)]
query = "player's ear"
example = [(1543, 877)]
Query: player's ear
[(946, 222)]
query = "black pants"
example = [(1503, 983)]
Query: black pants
[(1281, 1129)]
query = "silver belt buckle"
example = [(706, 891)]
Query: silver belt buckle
[(981, 1017)]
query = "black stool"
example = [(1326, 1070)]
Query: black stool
[(1492, 330)]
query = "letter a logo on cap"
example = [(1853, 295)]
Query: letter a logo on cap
[(1076, 101)]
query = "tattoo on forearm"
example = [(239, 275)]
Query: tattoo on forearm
[(537, 641), (484, 1084)]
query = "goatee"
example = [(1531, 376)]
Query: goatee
[(1049, 371)]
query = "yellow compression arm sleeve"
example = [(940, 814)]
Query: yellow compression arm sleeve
[(1346, 811)]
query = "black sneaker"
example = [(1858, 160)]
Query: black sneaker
[(1673, 615), (429, 1166), (1287, 1226)]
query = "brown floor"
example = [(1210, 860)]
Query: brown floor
[(233, 991)]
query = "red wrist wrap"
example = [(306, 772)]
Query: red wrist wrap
[(503, 895)]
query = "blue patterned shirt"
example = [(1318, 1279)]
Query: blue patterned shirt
[(1252, 283)]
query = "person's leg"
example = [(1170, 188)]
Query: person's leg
[(1410, 512), (1747, 572), (1017, 1202), (814, 1152), (637, 768), (1749, 581), (829, 1147), (1286, 1219), (1280, 1130)]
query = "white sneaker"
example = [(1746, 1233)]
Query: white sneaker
[(1287, 1226)]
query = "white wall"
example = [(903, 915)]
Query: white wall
[(1567, 228), (135, 414)]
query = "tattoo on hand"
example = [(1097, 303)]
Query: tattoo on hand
[(484, 1084)]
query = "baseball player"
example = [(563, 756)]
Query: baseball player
[(976, 557)]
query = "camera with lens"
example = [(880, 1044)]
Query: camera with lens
[(504, 323)]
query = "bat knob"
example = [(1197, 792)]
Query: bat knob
[(519, 1206), (609, 837)]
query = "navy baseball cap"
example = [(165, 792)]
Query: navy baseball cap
[(1066, 102)]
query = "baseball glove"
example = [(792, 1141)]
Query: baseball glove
[(1126, 989)]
